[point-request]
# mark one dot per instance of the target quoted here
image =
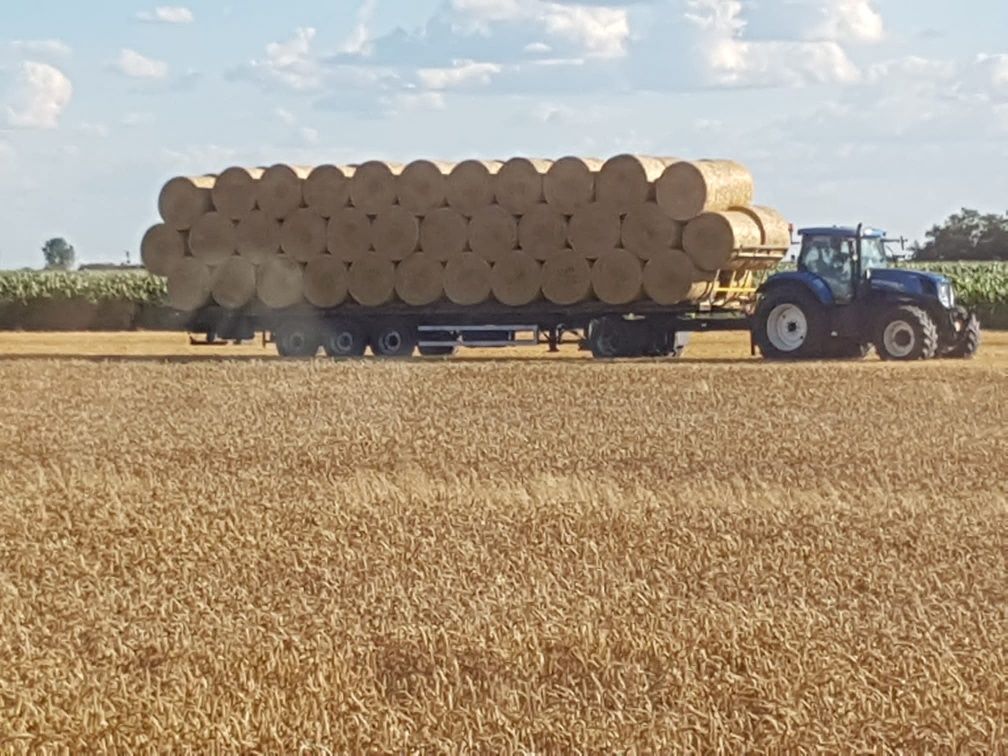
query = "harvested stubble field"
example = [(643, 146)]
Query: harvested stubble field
[(530, 555)]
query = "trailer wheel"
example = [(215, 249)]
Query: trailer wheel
[(604, 338), (790, 325), (906, 333), (394, 340), (344, 338), (297, 339), (969, 341)]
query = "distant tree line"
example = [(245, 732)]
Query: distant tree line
[(967, 235), (59, 254)]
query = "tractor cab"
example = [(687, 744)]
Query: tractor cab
[(835, 256), (847, 295)]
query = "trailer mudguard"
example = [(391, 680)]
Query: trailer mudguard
[(819, 288)]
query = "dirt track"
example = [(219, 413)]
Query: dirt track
[(704, 347)]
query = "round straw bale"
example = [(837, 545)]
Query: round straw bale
[(234, 191), (647, 231), (372, 280), (594, 229), (213, 238), (280, 190), (713, 239), (542, 231), (420, 279), (188, 284), (467, 279), (327, 189), (183, 200), (471, 185), (422, 186), (668, 277), (303, 235), (326, 281), (443, 233), (161, 248), (570, 183), (617, 278), (280, 282), (687, 189), (516, 279), (348, 236), (493, 232), (234, 283), (257, 237), (775, 230), (628, 180), (519, 185), (566, 278), (373, 186), (395, 233)]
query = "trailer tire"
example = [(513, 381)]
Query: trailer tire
[(604, 338), (394, 339), (790, 324), (969, 341), (343, 339), (297, 339), (906, 333)]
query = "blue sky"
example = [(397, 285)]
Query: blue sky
[(890, 111)]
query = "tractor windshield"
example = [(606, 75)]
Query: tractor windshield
[(873, 254)]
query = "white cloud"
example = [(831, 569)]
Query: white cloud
[(291, 64), (994, 69), (596, 30), (461, 73), (285, 116), (137, 119), (851, 20), (93, 129), (358, 43), (46, 47), (41, 94), (731, 59), (167, 14), (136, 66)]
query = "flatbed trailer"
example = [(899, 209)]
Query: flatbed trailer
[(397, 330)]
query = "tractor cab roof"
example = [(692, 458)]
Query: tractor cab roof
[(844, 232)]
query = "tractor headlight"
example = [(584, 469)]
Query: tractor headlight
[(945, 295)]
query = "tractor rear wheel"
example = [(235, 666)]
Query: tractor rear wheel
[(790, 324), (906, 333)]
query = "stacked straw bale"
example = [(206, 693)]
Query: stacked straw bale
[(627, 229)]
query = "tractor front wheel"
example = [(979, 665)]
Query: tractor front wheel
[(969, 341), (906, 333)]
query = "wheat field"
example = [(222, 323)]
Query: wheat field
[(538, 555)]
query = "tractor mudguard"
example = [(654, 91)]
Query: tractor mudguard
[(818, 288)]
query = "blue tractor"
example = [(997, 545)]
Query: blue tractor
[(845, 297)]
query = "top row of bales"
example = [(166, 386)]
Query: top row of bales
[(682, 189)]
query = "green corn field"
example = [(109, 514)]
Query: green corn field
[(980, 285), (32, 286)]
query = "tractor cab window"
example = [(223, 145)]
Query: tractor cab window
[(832, 259)]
